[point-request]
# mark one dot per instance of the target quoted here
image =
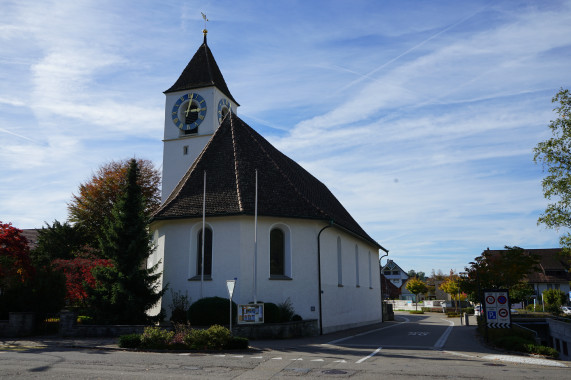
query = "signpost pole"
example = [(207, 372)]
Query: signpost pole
[(230, 285)]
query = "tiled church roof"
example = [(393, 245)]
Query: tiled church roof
[(230, 160), (201, 71)]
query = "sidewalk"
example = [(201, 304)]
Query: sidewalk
[(107, 343)]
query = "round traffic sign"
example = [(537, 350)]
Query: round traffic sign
[(503, 313), (490, 299), (502, 299)]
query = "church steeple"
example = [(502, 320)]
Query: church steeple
[(201, 71), (194, 108)]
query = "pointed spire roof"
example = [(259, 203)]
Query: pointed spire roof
[(230, 160), (201, 71)]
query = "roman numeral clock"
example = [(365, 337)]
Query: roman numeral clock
[(188, 112)]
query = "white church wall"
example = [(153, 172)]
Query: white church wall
[(347, 305), (233, 257), (179, 162)]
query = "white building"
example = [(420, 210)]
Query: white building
[(305, 246), (394, 273)]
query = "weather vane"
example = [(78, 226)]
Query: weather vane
[(205, 19)]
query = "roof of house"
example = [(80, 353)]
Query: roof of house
[(553, 266), (32, 236), (201, 71), (394, 266), (230, 160)]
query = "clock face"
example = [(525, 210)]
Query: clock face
[(188, 112), (223, 109)]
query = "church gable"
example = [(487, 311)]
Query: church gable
[(230, 160)]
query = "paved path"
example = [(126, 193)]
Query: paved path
[(430, 332)]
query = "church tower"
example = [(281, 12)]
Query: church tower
[(195, 106)]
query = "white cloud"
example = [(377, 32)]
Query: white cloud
[(420, 117)]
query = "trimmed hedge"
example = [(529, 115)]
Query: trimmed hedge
[(212, 311), (184, 338)]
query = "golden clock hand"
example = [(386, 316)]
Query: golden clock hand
[(188, 109)]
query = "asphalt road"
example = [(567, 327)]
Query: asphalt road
[(414, 346)]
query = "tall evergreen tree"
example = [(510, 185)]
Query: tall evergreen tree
[(125, 291)]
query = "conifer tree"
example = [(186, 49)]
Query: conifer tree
[(125, 291)]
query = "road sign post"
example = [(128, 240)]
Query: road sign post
[(230, 285), (497, 308)]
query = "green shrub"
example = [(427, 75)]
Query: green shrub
[(286, 310), (183, 338), (155, 337), (84, 319), (212, 311), (197, 339), (542, 350), (512, 343), (296, 317), (218, 337), (431, 309), (468, 310), (416, 312), (130, 341), (180, 304), (271, 313), (215, 338)]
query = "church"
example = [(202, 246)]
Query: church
[(236, 208)]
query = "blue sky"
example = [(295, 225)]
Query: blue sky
[(421, 117)]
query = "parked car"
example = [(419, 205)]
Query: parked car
[(478, 310), (566, 310)]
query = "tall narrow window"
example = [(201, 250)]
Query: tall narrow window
[(339, 263), (357, 265), (207, 253), (370, 270), (277, 252)]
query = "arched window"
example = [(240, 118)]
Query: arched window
[(277, 252), (207, 253)]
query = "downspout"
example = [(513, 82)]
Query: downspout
[(319, 275), (380, 258)]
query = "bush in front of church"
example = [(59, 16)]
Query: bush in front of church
[(212, 311)]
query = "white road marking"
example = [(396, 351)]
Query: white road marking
[(370, 356), (442, 340), (297, 359), (257, 357), (340, 361), (460, 354), (278, 358), (318, 360)]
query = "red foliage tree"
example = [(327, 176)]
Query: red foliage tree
[(15, 263), (78, 274)]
